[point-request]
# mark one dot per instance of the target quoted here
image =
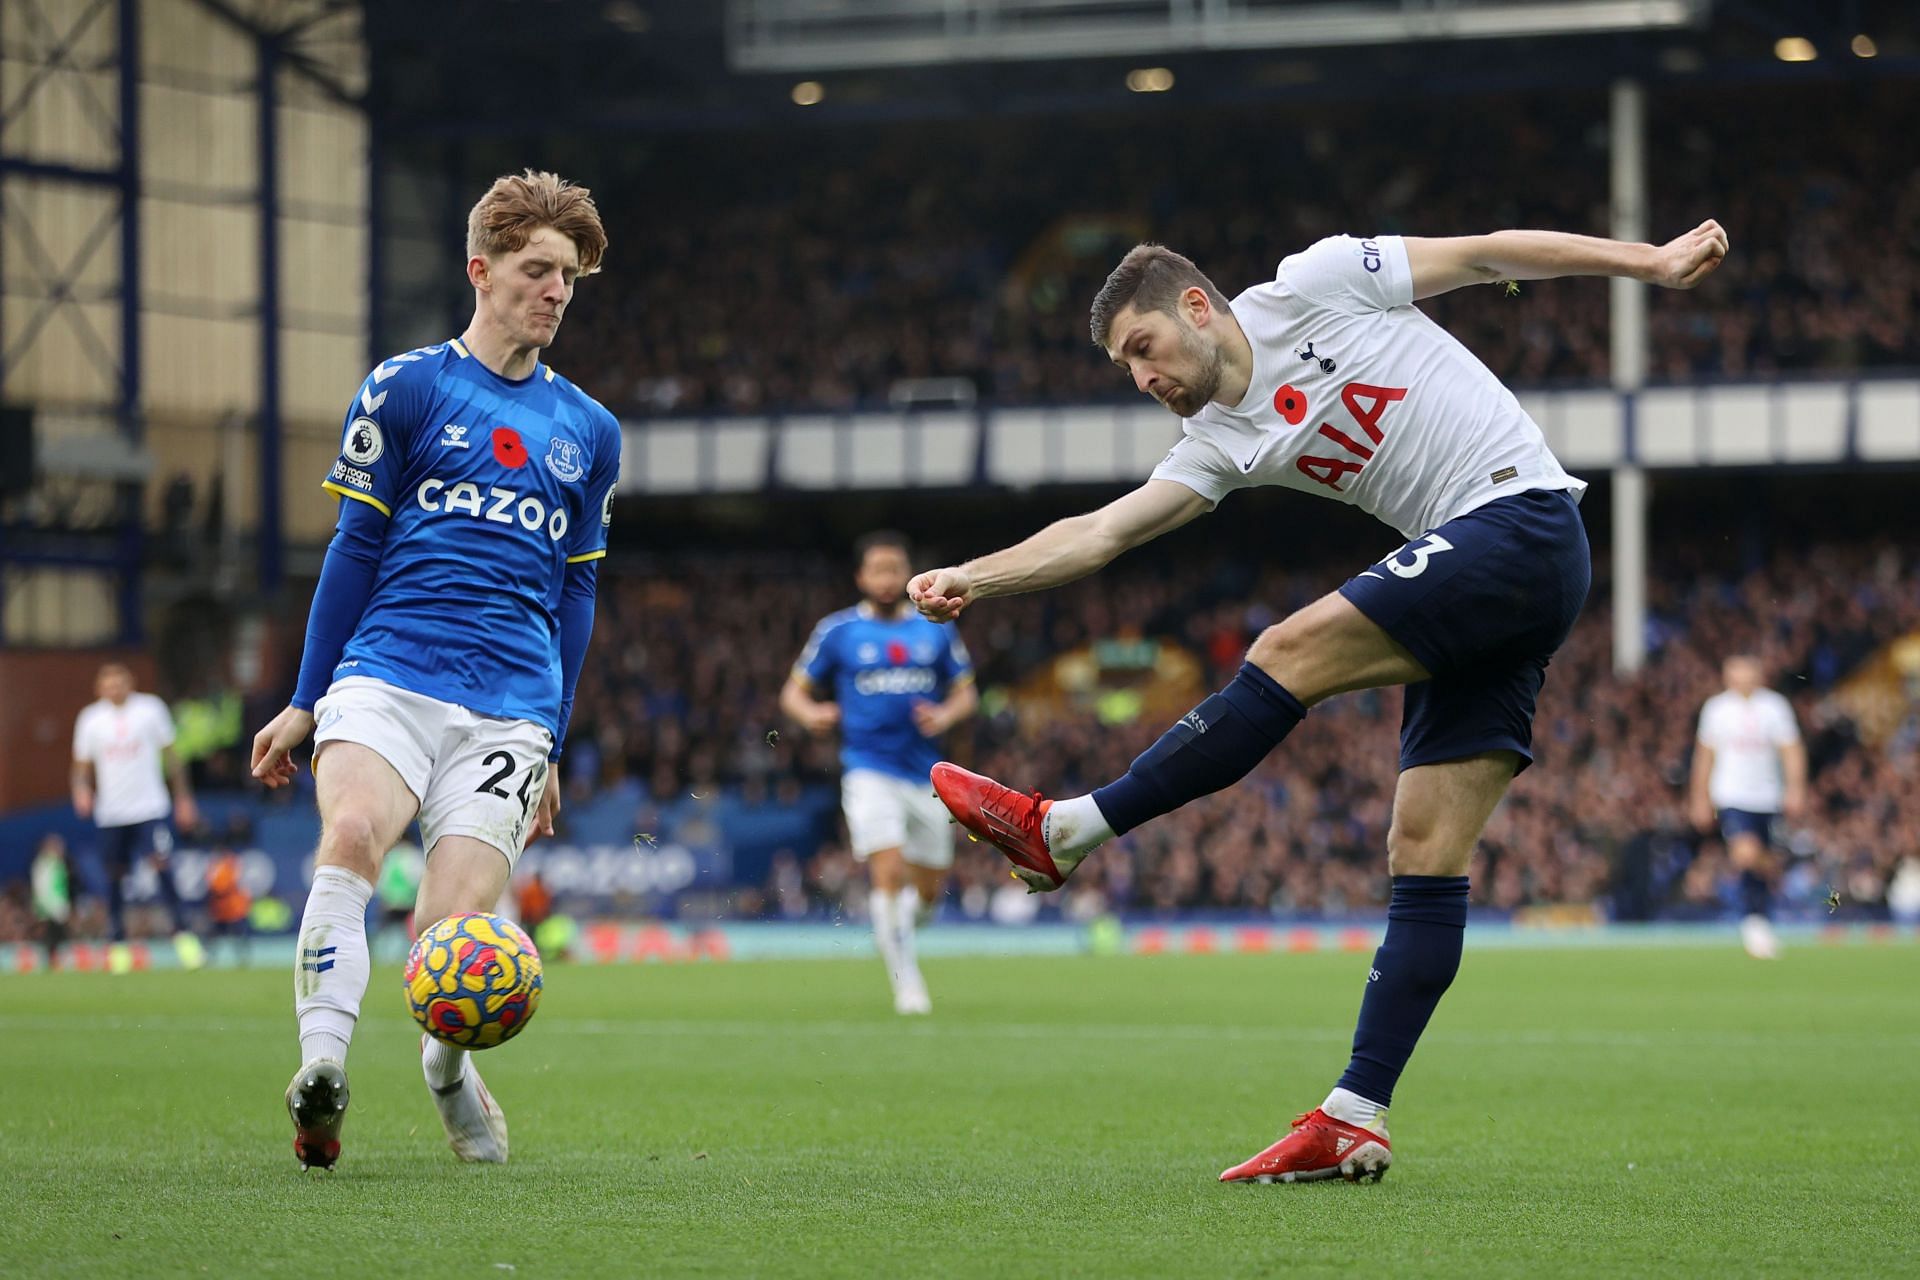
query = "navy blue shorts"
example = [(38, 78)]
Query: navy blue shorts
[(1483, 602), (121, 847), (1746, 822)]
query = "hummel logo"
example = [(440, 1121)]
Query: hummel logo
[(455, 437), (1193, 721), (1326, 365), (318, 959), (1373, 975)]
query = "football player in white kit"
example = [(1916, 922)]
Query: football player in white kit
[(128, 779), (1749, 768), (1327, 379)]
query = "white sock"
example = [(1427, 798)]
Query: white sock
[(909, 913), (444, 1064), (1076, 825), (330, 963), (1344, 1104), (884, 906)]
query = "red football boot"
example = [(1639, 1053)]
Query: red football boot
[(1319, 1147), (1014, 824)]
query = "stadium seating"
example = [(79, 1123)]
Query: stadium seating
[(926, 253)]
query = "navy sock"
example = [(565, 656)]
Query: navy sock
[(1213, 746), (1756, 896), (1426, 925), (170, 892)]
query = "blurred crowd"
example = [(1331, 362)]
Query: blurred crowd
[(821, 270), (679, 695), (688, 660)]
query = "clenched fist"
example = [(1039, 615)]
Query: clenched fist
[(940, 594), (1685, 261)]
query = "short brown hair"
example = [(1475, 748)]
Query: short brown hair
[(516, 206), (1151, 278)]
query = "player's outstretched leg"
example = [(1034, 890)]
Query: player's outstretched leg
[(1438, 813), (1211, 747), (1346, 1135), (476, 1127)]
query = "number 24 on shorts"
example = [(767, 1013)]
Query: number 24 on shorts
[(504, 770)]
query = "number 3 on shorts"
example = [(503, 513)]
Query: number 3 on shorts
[(1428, 547), (501, 763)]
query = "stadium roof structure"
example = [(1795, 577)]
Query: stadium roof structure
[(493, 69), (820, 35)]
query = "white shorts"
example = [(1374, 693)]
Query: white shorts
[(885, 812), (474, 775)]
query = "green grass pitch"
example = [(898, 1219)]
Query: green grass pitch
[(1679, 1112)]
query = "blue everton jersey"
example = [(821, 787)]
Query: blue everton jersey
[(491, 488), (877, 669)]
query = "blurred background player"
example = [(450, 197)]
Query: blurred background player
[(229, 905), (1749, 769), (1418, 433), (446, 633), (532, 902), (124, 767), (52, 879), (894, 683)]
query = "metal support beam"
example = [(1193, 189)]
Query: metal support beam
[(20, 166), (1627, 134), (806, 35), (132, 537), (289, 56), (45, 271), (272, 521), (376, 220)]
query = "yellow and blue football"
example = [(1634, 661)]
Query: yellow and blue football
[(473, 980)]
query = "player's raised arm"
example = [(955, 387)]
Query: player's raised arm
[(1060, 553), (1442, 264)]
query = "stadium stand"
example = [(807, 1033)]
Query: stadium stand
[(974, 259)]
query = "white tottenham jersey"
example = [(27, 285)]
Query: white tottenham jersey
[(1358, 396), (1746, 735), (123, 745)]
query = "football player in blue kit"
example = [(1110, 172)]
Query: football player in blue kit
[(893, 682), (447, 632)]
